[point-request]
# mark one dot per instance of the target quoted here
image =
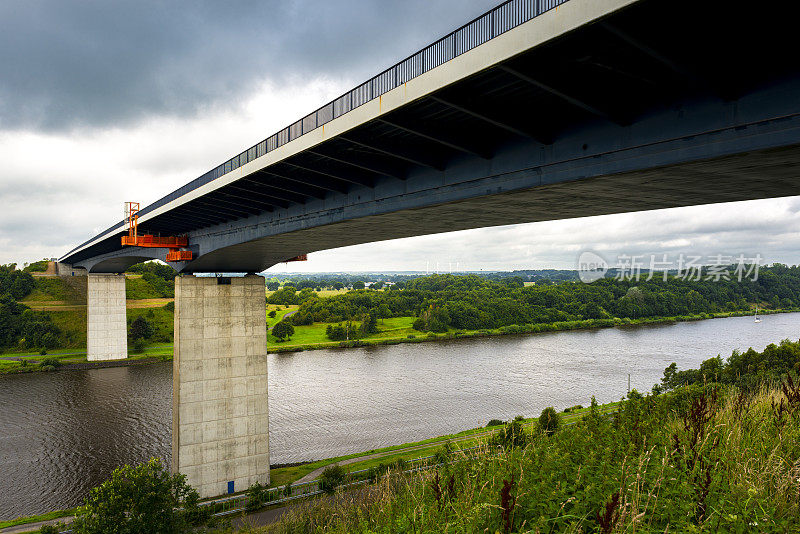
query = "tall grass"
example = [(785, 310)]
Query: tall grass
[(700, 459)]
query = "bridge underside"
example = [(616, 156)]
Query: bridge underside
[(766, 174), (650, 107)]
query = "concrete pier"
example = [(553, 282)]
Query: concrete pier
[(220, 427), (106, 326)]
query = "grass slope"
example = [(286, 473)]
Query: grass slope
[(697, 460)]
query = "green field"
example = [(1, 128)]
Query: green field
[(53, 289), (311, 335), (280, 310)]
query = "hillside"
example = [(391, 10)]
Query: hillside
[(711, 456), (41, 311)]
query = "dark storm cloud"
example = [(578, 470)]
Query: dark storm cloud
[(101, 63)]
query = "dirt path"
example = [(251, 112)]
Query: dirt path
[(288, 314)]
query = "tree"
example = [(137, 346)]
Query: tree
[(141, 328), (272, 314), (136, 499), (287, 295), (282, 330), (331, 478), (273, 286), (358, 284), (369, 325), (549, 421)]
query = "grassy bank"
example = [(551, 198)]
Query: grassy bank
[(393, 331), (49, 516), (398, 330), (701, 459), (414, 450)]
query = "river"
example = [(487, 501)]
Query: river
[(62, 433)]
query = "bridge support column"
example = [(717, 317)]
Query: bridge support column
[(220, 423), (106, 326)]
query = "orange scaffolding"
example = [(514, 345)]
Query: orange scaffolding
[(133, 239)]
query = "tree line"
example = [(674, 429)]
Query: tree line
[(471, 302), (19, 325)]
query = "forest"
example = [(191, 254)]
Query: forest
[(471, 302)]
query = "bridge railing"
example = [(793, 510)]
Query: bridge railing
[(497, 21)]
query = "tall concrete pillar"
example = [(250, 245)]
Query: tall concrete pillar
[(106, 326), (220, 423)]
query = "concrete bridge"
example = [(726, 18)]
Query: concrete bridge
[(537, 110)]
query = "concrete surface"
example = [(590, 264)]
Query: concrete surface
[(106, 325), (220, 418)]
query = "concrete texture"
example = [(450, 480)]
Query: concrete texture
[(220, 426), (107, 329)]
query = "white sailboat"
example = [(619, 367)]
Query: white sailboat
[(757, 319)]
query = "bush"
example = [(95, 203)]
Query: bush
[(332, 477), (549, 421), (494, 422), (511, 436), (50, 362), (138, 346), (256, 496), (169, 306), (142, 498), (141, 328), (272, 314), (282, 330)]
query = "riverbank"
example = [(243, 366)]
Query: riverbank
[(281, 477), (399, 331)]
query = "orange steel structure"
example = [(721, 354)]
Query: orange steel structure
[(133, 239)]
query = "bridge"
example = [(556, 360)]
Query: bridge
[(537, 110)]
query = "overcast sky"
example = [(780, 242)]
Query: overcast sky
[(102, 102)]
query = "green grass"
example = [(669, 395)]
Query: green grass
[(53, 289), (36, 518), (310, 335), (280, 312), (465, 438), (688, 461), (138, 288), (162, 320)]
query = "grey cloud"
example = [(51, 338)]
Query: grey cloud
[(103, 63)]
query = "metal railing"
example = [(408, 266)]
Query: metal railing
[(497, 21)]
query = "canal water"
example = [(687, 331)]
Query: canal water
[(63, 433)]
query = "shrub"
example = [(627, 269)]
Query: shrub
[(169, 306), (272, 314), (282, 330), (142, 498), (331, 478), (138, 346), (511, 436), (256, 496), (50, 362), (494, 422), (549, 421), (141, 328)]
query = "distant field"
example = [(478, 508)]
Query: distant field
[(323, 293), (397, 327)]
